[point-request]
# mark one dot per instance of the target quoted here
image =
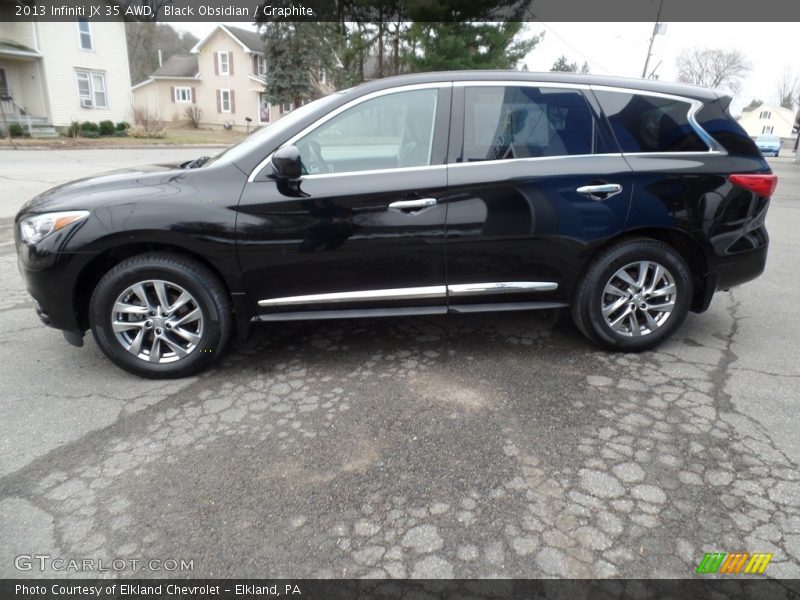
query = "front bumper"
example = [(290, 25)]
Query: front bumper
[(51, 279)]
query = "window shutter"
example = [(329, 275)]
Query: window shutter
[(233, 102), (230, 63), (194, 95), (172, 93), (216, 63), (219, 101)]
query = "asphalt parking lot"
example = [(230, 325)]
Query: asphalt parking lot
[(468, 446)]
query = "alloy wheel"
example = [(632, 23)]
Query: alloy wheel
[(638, 299), (157, 321)]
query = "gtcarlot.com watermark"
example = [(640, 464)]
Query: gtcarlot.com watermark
[(46, 562)]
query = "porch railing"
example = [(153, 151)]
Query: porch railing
[(13, 112)]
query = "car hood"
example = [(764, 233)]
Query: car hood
[(90, 192)]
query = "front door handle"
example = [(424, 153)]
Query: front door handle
[(412, 205), (600, 192)]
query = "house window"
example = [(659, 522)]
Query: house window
[(767, 129), (765, 114), (225, 101), (85, 34), (92, 89), (286, 107), (183, 94), (261, 66), (263, 108), (224, 63)]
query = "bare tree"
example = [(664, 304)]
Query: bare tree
[(788, 88), (712, 67)]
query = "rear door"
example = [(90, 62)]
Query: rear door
[(534, 185)]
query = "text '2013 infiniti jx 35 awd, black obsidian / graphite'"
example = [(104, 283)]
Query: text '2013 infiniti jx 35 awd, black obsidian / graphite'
[(630, 202)]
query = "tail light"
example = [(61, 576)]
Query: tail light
[(763, 184)]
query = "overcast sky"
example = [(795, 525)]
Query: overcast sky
[(621, 48)]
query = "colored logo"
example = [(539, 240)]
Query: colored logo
[(734, 563)]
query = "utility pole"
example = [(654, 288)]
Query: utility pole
[(652, 38)]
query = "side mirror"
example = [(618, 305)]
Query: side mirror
[(286, 163)]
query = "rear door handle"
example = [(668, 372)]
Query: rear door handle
[(600, 192), (412, 205)]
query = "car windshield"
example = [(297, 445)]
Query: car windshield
[(252, 141)]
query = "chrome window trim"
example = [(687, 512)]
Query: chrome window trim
[(374, 172), (714, 148), (413, 293), (354, 102), (508, 161), (694, 106)]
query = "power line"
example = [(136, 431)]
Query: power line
[(555, 33)]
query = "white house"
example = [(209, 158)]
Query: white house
[(768, 119), (224, 77), (54, 73)]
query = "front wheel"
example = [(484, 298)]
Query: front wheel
[(633, 296), (160, 316)]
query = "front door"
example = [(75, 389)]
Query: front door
[(534, 183), (363, 231)]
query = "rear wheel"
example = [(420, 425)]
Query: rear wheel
[(160, 316), (633, 296)]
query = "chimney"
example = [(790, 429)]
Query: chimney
[(160, 58)]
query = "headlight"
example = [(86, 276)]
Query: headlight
[(37, 227)]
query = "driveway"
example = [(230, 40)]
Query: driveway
[(468, 446)]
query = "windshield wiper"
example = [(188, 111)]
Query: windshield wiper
[(197, 162)]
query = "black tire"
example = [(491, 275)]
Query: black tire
[(587, 307), (207, 294)]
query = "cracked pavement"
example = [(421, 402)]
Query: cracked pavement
[(462, 446)]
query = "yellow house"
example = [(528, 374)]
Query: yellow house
[(54, 73), (224, 77)]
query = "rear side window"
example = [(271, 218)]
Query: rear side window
[(527, 122), (719, 124), (650, 123)]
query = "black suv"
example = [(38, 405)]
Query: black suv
[(629, 201)]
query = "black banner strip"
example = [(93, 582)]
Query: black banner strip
[(711, 11), (346, 589)]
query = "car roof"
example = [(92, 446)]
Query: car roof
[(644, 85)]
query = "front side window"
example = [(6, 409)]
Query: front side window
[(92, 89), (85, 34), (526, 122), (391, 131), (650, 123), (261, 66)]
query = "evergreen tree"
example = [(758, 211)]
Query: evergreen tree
[(563, 65), (443, 46)]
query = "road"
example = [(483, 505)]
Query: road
[(467, 446)]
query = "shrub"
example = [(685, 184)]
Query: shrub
[(141, 132), (90, 134), (123, 126), (74, 129), (193, 116), (16, 130), (121, 133), (89, 126), (147, 120), (106, 128)]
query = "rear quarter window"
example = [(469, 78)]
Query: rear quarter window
[(650, 123), (720, 125)]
